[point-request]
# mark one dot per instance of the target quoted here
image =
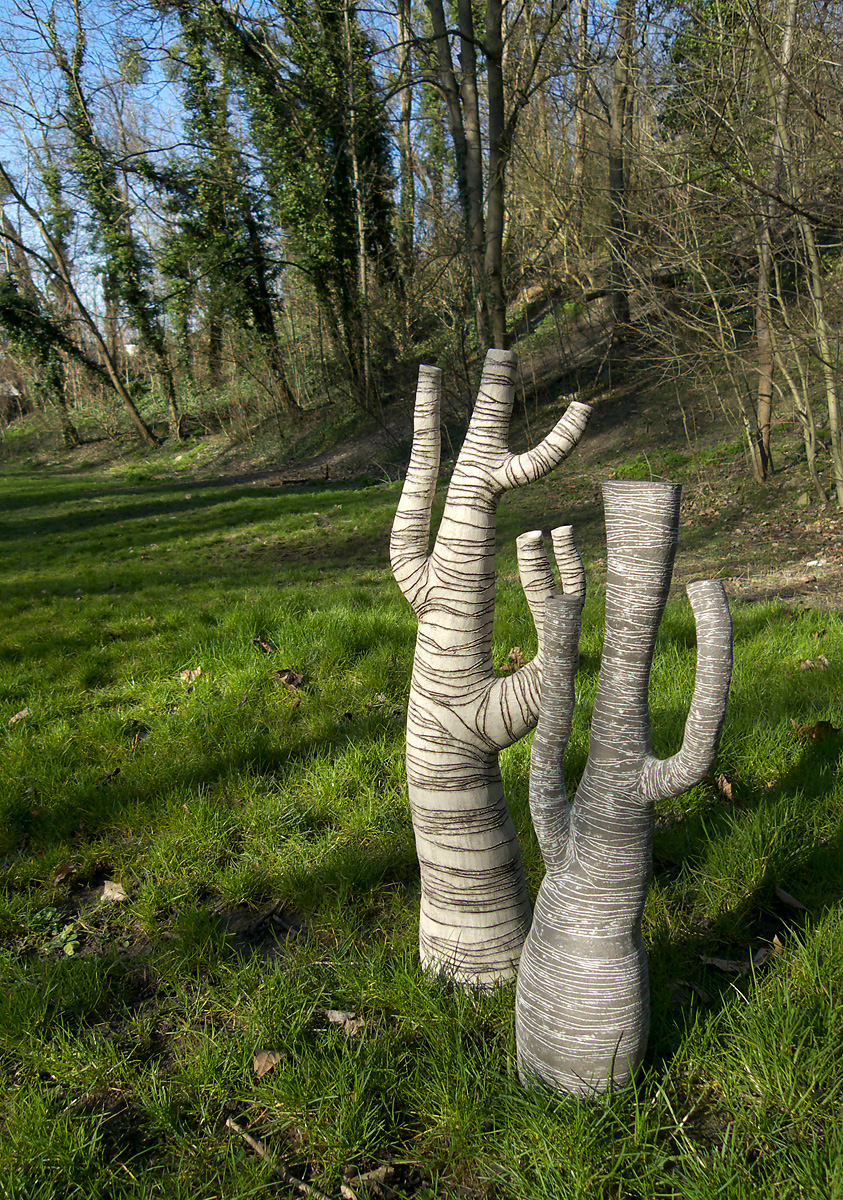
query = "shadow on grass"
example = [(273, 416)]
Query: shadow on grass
[(93, 809), (797, 860), (206, 511), (127, 550)]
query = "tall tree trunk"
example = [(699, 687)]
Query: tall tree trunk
[(407, 200), (498, 155), (803, 408), (473, 165), (779, 97), (621, 100), (582, 999), (260, 303), (362, 305), (823, 333), (215, 327), (580, 93), (56, 387), (475, 911), (464, 118)]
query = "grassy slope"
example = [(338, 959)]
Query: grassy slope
[(257, 823)]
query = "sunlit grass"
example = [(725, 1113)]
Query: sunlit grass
[(258, 824)]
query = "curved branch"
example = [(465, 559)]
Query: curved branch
[(536, 576), (549, 806), (662, 779), (524, 468), (568, 561), (512, 705), (408, 547)]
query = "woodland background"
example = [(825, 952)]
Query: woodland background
[(229, 237), (222, 215)]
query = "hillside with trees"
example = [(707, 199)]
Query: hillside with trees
[(212, 212)]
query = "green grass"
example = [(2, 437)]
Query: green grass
[(262, 836)]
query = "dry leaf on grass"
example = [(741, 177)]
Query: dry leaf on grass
[(810, 664), (290, 678), (113, 892), (264, 646), (349, 1021), (736, 966), (817, 732), (791, 901), (64, 872), (723, 786), (515, 660), (731, 966), (19, 716), (189, 676), (761, 955), (264, 1061)]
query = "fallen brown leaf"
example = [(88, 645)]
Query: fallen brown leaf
[(64, 872), (515, 660), (723, 786), (349, 1021), (19, 716), (791, 901), (264, 1061), (189, 676), (264, 646), (731, 966), (817, 732), (113, 892), (290, 678)]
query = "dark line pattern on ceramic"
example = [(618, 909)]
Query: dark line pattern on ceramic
[(475, 911), (582, 997)]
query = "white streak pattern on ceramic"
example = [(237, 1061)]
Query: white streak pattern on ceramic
[(582, 997)]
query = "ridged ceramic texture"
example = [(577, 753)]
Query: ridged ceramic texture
[(582, 998), (475, 911)]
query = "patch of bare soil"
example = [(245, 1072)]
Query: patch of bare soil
[(762, 553), (263, 932), (374, 453)]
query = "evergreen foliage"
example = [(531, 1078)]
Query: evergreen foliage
[(295, 82), (127, 266)]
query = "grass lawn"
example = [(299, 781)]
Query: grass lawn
[(202, 697)]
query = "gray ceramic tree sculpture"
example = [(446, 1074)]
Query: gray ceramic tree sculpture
[(475, 910), (582, 998)]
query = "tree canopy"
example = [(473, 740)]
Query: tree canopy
[(304, 194)]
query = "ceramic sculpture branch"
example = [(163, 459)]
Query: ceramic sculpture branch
[(582, 998), (475, 911)]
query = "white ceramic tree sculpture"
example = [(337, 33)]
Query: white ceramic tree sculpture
[(475, 911), (582, 998)]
